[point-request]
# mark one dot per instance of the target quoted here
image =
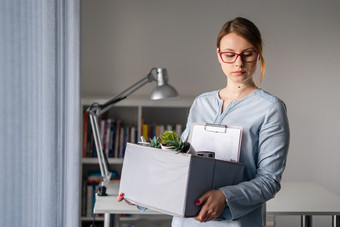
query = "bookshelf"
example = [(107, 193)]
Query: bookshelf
[(132, 113)]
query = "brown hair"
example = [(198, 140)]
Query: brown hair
[(248, 30)]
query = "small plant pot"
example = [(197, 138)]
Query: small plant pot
[(166, 148), (188, 149)]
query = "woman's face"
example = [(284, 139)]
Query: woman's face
[(240, 71)]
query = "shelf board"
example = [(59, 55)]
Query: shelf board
[(143, 102), (95, 160), (91, 218)]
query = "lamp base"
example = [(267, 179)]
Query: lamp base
[(101, 190)]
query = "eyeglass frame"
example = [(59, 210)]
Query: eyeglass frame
[(237, 55)]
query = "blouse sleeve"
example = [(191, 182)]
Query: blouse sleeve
[(270, 163)]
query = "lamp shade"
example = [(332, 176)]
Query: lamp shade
[(163, 89)]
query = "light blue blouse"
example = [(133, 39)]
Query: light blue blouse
[(264, 148)]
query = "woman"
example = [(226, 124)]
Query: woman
[(265, 137)]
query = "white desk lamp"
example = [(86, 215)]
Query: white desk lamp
[(161, 91)]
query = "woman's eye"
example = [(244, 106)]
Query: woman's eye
[(248, 53), (229, 55)]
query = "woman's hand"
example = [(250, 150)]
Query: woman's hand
[(214, 201), (120, 198)]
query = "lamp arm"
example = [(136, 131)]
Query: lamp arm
[(124, 94), (96, 110), (103, 162)]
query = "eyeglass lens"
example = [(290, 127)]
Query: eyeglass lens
[(247, 56)]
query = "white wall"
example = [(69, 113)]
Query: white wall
[(123, 40)]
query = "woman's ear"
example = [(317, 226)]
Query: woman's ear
[(218, 55)]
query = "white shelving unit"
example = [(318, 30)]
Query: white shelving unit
[(131, 111), (138, 107), (112, 161)]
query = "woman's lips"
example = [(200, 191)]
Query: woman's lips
[(238, 73)]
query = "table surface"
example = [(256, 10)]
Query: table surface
[(109, 204), (306, 198), (294, 198)]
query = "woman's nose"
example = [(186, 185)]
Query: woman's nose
[(239, 61)]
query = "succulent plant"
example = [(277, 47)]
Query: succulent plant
[(173, 141), (155, 142), (170, 140)]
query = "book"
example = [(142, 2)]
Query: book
[(107, 136), (126, 139), (94, 178), (85, 125), (133, 135), (178, 129), (102, 131), (145, 131), (89, 200), (121, 142), (168, 127), (151, 132), (116, 149), (89, 142), (161, 129), (112, 138), (83, 199)]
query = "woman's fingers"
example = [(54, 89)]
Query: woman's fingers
[(120, 198), (213, 204), (128, 202)]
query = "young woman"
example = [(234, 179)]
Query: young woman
[(265, 137)]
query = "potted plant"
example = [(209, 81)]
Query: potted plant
[(169, 140)]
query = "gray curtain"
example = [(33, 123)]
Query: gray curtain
[(39, 112)]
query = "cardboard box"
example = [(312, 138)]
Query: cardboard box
[(171, 182)]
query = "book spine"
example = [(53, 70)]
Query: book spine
[(117, 140), (111, 140), (89, 141), (89, 200), (168, 127), (85, 125), (145, 131), (83, 199), (107, 136), (121, 142), (179, 129), (161, 129), (133, 135)]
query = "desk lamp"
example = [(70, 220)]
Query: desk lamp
[(161, 91)]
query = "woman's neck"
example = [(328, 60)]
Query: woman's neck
[(237, 91)]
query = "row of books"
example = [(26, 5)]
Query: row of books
[(115, 135), (149, 131), (89, 189)]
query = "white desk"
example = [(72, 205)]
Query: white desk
[(108, 206), (306, 200), (303, 199)]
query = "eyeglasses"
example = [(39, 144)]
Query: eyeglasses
[(247, 56)]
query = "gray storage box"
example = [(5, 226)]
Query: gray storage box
[(171, 182)]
